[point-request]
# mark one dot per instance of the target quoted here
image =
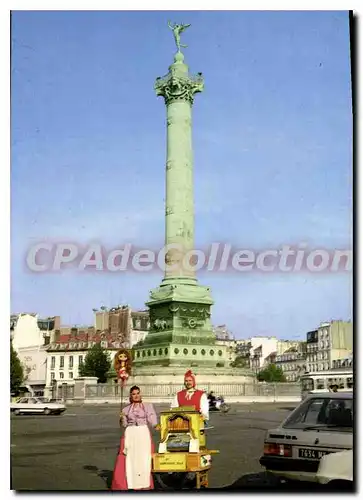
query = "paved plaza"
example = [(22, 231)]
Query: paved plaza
[(76, 451)]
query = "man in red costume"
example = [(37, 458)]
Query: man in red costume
[(190, 396)]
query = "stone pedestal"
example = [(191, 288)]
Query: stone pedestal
[(180, 329), (157, 375)]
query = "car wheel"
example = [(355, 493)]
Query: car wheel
[(47, 411), (340, 485)]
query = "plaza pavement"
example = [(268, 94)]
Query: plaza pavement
[(76, 451)]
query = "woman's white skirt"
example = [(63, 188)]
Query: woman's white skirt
[(138, 456)]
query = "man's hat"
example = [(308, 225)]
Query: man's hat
[(190, 374)]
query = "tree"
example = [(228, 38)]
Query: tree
[(271, 373), (96, 364), (240, 362), (16, 371)]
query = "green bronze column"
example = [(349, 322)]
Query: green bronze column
[(180, 318), (178, 89)]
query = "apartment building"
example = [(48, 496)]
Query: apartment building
[(225, 338), (130, 327), (293, 362), (256, 350), (329, 342), (123, 328), (343, 363), (285, 345), (30, 335), (140, 326)]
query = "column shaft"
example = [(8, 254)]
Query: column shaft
[(179, 215)]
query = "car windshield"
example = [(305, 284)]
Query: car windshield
[(317, 413)]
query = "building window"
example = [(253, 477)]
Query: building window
[(80, 360), (70, 374), (52, 376), (61, 375), (70, 361), (185, 351), (61, 362), (194, 351), (52, 362)]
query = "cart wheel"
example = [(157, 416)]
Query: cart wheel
[(176, 480)]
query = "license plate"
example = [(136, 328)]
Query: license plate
[(309, 453)]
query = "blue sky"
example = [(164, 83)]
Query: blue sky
[(272, 154)]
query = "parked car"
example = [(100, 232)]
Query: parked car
[(336, 469), (34, 405), (320, 425)]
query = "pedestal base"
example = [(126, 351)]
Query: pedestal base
[(205, 376), (180, 329)]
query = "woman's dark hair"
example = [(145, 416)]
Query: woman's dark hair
[(134, 388)]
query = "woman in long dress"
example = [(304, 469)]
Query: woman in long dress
[(133, 463)]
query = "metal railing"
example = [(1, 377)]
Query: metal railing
[(64, 392), (110, 391)]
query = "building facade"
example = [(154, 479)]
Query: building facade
[(123, 329), (256, 351), (343, 363), (328, 343), (140, 325), (226, 339), (30, 336), (130, 327), (293, 362), (284, 345)]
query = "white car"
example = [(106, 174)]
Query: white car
[(336, 469), (320, 425), (34, 405)]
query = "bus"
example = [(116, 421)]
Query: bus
[(321, 381)]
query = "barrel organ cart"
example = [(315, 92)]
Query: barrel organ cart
[(183, 458)]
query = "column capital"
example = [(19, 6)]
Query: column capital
[(178, 85)]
